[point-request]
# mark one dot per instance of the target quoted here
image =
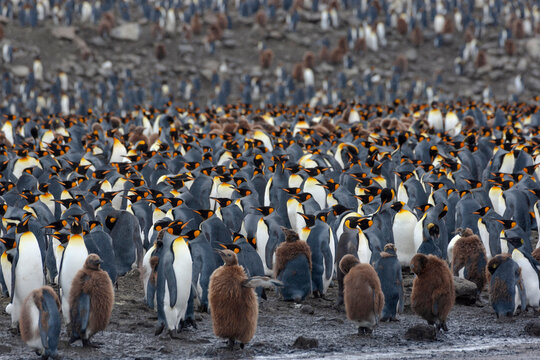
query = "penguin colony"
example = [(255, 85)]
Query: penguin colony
[(479, 39), (210, 204)]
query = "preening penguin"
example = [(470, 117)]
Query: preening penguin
[(363, 297), (233, 302), (433, 292), (41, 321), (506, 289), (293, 267), (469, 255), (389, 272), (91, 301)]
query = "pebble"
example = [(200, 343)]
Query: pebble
[(305, 343), (533, 328), (421, 332)]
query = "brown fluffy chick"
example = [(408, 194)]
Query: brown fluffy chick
[(233, 301), (433, 294), (91, 301), (265, 58), (469, 254), (160, 52), (362, 294)]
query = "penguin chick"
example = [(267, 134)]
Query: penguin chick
[(469, 254), (293, 267), (433, 292), (506, 290), (91, 301), (233, 300), (363, 297), (40, 321)]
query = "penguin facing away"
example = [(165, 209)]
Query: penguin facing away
[(469, 259), (40, 321), (363, 297), (233, 301), (91, 301), (293, 267), (506, 289), (389, 271), (433, 292)]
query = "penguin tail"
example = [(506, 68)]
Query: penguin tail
[(261, 281)]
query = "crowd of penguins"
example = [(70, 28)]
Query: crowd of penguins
[(213, 206)]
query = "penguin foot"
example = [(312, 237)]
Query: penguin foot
[(364, 331), (242, 345), (203, 308), (15, 330), (317, 294), (87, 343), (172, 335), (443, 326), (184, 324), (230, 344), (159, 329)]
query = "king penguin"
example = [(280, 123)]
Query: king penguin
[(73, 259), (41, 322), (233, 301), (389, 271), (91, 301), (173, 281), (27, 269), (403, 225)]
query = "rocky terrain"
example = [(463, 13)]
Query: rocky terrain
[(89, 56)]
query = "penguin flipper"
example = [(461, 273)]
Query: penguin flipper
[(171, 284), (522, 293), (13, 267), (261, 281), (401, 292), (80, 316), (150, 294), (328, 260)]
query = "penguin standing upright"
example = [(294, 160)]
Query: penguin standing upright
[(173, 280), (233, 301), (320, 238), (40, 321), (91, 301), (403, 225), (433, 292), (27, 269), (529, 271), (469, 259), (73, 259), (363, 297), (389, 271), (506, 289), (293, 267)]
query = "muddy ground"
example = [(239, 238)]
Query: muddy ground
[(474, 333)]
